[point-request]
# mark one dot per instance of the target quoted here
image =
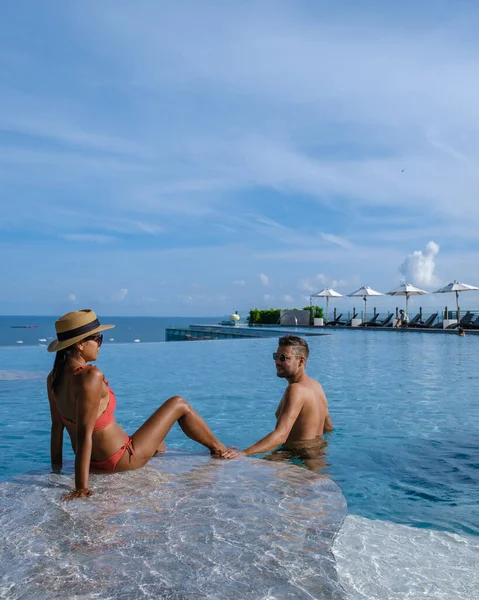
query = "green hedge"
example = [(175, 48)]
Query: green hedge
[(264, 317), (271, 316)]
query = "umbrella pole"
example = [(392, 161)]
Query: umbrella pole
[(457, 307), (365, 300), (327, 304), (407, 310)]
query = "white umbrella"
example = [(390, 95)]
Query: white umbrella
[(407, 289), (364, 292), (456, 287), (327, 293)]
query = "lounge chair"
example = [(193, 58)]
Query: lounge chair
[(348, 323), (474, 324), (427, 323), (334, 321), (466, 320), (387, 321), (414, 322), (371, 321)]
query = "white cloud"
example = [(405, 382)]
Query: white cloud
[(306, 285), (264, 279), (121, 295), (419, 266), (184, 298), (241, 282), (321, 278), (93, 238), (268, 297), (148, 300), (336, 239), (287, 298), (72, 297)]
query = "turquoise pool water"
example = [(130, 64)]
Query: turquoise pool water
[(404, 451), (405, 446)]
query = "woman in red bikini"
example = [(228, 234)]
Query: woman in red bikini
[(82, 401)]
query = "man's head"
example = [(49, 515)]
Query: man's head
[(291, 356)]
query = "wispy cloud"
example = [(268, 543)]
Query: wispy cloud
[(120, 295), (93, 238), (264, 279)]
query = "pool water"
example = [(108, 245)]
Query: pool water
[(404, 452)]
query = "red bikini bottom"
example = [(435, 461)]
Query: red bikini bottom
[(109, 464)]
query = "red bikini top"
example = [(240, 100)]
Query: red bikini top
[(106, 418)]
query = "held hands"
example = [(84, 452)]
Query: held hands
[(77, 494), (230, 453)]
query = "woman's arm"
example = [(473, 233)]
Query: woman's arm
[(56, 436), (87, 410)]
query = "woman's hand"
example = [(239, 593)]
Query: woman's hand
[(231, 452), (77, 494)]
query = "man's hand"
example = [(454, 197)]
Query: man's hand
[(77, 494), (230, 453)]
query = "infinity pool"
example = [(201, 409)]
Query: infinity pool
[(404, 454)]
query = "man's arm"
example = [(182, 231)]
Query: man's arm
[(292, 404), (56, 436), (328, 423)]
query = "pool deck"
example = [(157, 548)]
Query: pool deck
[(223, 332)]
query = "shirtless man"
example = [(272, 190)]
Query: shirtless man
[(302, 414)]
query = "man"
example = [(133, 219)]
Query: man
[(302, 414)]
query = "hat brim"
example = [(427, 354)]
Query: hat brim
[(56, 346)]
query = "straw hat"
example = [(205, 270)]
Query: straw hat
[(74, 327)]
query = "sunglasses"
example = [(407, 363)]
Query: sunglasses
[(95, 338), (282, 357)]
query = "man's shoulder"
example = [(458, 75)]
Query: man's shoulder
[(303, 388)]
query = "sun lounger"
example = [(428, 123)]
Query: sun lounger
[(371, 321), (464, 322), (334, 321), (415, 321), (474, 324), (428, 323), (387, 321), (348, 323)]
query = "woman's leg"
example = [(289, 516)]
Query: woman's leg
[(149, 437)]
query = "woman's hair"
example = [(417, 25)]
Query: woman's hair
[(61, 359)]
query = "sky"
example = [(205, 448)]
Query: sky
[(198, 158)]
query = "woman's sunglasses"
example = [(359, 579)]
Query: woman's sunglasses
[(95, 338)]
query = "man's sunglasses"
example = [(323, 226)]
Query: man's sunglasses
[(95, 338), (282, 357)]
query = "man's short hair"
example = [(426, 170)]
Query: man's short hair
[(300, 346)]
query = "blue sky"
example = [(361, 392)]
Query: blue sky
[(197, 158)]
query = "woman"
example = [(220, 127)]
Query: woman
[(82, 401)]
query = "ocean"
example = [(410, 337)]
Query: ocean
[(34, 331)]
